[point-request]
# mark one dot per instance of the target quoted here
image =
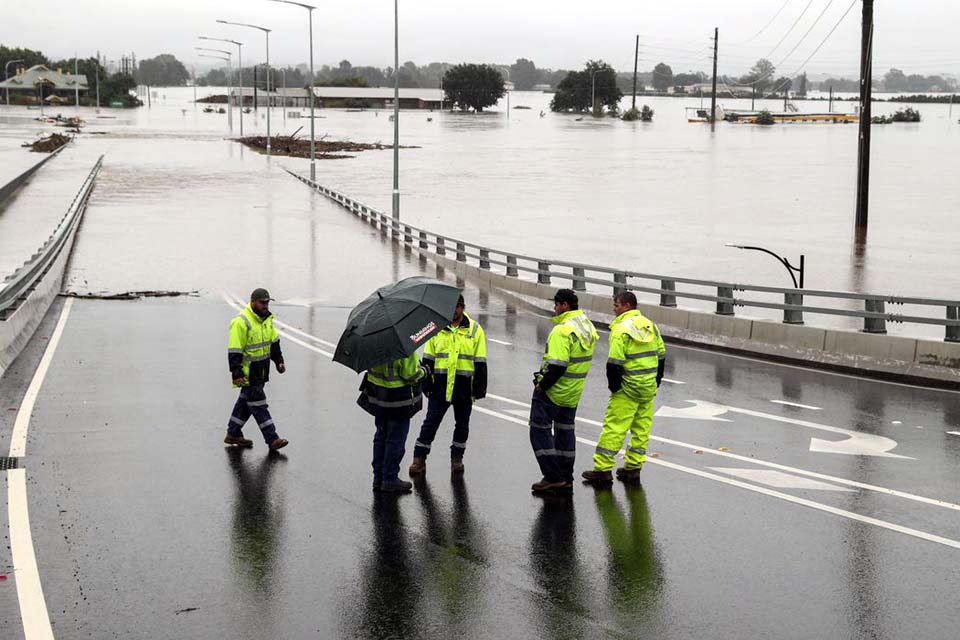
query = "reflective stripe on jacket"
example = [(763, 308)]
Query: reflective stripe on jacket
[(455, 353), (636, 346), (252, 339), (393, 389), (569, 346)]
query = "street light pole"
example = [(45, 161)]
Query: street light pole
[(229, 60), (396, 117), (313, 153), (786, 263), (267, 32), (6, 75), (239, 73)]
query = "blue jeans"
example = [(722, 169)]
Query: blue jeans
[(436, 409), (252, 401), (553, 437), (389, 445)]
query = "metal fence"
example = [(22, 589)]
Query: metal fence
[(8, 189), (723, 294), (18, 285)]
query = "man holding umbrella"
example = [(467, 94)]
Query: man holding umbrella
[(382, 336)]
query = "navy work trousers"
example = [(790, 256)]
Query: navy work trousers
[(436, 409), (252, 402), (389, 445), (553, 437)]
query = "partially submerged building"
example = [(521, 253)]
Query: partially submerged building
[(41, 83)]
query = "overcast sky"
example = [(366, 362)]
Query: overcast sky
[(918, 36)]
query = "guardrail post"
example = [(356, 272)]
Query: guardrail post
[(423, 240), (619, 278), (793, 316), (484, 258), (724, 308), (874, 325), (953, 333), (407, 235), (666, 299), (543, 278), (579, 284), (461, 252), (384, 223), (512, 266), (441, 250)]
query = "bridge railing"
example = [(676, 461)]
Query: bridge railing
[(18, 285), (726, 296)]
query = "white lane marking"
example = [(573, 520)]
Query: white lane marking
[(673, 381), (916, 533), (954, 433), (813, 505), (856, 444), (797, 404), (33, 606), (506, 344), (808, 369), (733, 456), (284, 332), (18, 439), (779, 479), (775, 465), (896, 422)]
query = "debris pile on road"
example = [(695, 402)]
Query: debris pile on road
[(48, 144), (128, 295), (300, 148)]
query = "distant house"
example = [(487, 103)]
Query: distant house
[(378, 97), (542, 87), (40, 83), (727, 90)]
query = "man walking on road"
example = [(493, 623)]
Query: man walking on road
[(557, 389), (634, 371), (254, 342), (456, 359), (391, 393)]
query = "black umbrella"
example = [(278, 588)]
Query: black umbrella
[(394, 321)]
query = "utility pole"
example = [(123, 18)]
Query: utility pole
[(713, 97), (866, 98), (97, 71), (636, 57), (254, 89), (76, 83), (753, 96), (830, 108)]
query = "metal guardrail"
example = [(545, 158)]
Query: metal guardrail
[(18, 285), (8, 189), (874, 312)]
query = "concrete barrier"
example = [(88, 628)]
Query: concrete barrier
[(908, 360)]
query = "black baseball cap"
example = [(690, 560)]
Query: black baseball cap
[(566, 295), (260, 294)]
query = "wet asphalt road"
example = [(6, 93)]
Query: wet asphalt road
[(145, 526), (139, 511)]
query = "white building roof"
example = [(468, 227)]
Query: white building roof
[(39, 73), (378, 93)]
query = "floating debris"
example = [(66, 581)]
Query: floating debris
[(325, 149), (129, 295), (187, 610), (48, 144)]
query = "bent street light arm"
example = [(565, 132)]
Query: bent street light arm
[(786, 263)]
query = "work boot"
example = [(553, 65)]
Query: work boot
[(456, 465), (279, 443), (418, 466), (239, 441), (597, 477), (396, 486), (548, 486), (628, 475), (376, 485)]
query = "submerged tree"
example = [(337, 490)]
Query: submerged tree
[(598, 80), (473, 86)]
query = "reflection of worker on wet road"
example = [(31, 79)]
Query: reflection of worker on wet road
[(635, 572), (634, 371), (558, 386), (457, 360), (254, 342)]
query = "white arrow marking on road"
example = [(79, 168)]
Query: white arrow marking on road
[(796, 404), (506, 344), (857, 444), (954, 433), (779, 479), (673, 381)]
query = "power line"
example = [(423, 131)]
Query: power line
[(796, 46), (757, 34), (790, 30)]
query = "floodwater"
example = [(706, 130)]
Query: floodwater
[(662, 197)]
